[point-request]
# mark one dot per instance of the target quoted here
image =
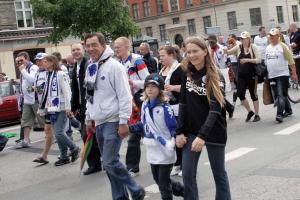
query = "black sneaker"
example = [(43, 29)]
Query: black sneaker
[(61, 162), (256, 118), (249, 116), (279, 118), (287, 114), (75, 154), (141, 195)]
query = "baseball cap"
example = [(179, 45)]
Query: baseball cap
[(155, 79), (274, 31), (40, 56), (245, 35)]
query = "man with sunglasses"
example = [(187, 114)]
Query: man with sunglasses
[(28, 73)]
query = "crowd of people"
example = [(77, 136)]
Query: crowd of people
[(175, 105)]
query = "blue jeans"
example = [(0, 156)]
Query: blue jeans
[(109, 144), (216, 155), (63, 140), (280, 86)]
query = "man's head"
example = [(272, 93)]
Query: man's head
[(77, 52), (232, 36), (212, 39), (274, 35), (70, 59), (293, 27), (221, 39), (39, 58), (144, 48), (95, 45), (22, 58), (122, 47), (262, 31)]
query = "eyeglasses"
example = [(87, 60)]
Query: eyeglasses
[(20, 62)]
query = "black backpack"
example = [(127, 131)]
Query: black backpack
[(3, 141)]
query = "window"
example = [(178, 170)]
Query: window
[(160, 6), (204, 1), (176, 20), (279, 14), (188, 3), (232, 23), (174, 5), (162, 31), (255, 17), (206, 22), (191, 26), (135, 9), (146, 8), (24, 14), (295, 13), (149, 31)]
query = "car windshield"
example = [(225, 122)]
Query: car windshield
[(5, 89)]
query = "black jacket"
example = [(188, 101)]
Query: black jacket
[(76, 103), (196, 115), (151, 63), (296, 39)]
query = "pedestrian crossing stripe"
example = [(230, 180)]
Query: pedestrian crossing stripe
[(289, 130)]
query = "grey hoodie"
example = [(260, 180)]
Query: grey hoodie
[(112, 100)]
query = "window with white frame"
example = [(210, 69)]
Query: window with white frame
[(146, 8), (162, 31), (188, 3), (255, 16), (160, 7), (280, 17), (232, 23), (206, 22), (149, 31), (24, 14), (295, 13)]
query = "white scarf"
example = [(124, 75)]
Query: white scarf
[(151, 129), (173, 68), (53, 98)]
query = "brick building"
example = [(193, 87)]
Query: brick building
[(19, 31), (173, 20)]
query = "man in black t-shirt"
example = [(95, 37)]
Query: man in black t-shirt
[(148, 59)]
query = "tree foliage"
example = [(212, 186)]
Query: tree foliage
[(78, 17)]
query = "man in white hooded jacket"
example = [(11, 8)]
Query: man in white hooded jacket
[(109, 107)]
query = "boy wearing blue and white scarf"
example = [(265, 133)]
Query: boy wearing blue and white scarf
[(159, 125)]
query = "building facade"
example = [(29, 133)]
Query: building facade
[(170, 21), (20, 32)]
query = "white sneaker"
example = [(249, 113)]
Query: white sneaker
[(23, 144), (175, 170), (180, 173), (133, 174)]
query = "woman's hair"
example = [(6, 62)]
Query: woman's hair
[(163, 98), (232, 41), (213, 87), (177, 51), (54, 61)]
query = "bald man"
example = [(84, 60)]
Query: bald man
[(149, 60), (137, 72), (78, 105)]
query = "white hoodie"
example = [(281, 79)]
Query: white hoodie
[(112, 100)]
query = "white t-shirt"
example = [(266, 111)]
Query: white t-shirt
[(261, 43)]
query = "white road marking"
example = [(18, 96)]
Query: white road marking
[(152, 189), (289, 130), (10, 128), (236, 154)]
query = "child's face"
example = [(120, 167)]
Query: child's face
[(152, 91)]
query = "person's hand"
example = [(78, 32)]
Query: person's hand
[(69, 113), (197, 144), (21, 67), (180, 140), (225, 50), (123, 131), (293, 45), (243, 61), (89, 126), (294, 77), (169, 88)]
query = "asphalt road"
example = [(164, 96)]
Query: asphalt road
[(262, 159)]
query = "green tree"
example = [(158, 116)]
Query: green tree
[(78, 17)]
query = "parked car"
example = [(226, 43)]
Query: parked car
[(9, 111)]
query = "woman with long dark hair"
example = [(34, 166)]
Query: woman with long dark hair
[(56, 102), (202, 119)]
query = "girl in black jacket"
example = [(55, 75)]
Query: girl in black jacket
[(202, 119)]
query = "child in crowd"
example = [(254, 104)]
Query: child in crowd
[(159, 125)]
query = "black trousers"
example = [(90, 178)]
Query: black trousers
[(133, 155), (94, 157), (244, 83), (297, 63), (167, 186)]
